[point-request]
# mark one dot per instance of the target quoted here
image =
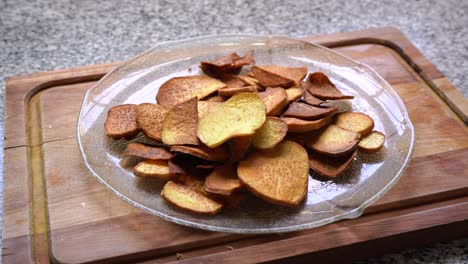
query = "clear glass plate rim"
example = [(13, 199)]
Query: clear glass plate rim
[(354, 213)]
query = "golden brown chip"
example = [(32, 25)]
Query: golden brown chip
[(269, 79), (355, 121), (270, 134), (181, 89), (222, 180), (231, 80), (215, 99), (189, 199), (330, 166), (239, 146), (213, 154), (278, 175), (206, 106), (153, 169), (250, 81), (275, 100), (230, 91), (371, 143), (231, 64), (241, 115), (121, 122), (299, 125), (147, 152), (318, 85), (334, 141), (312, 100), (294, 93), (180, 124), (295, 74), (305, 111), (150, 118)]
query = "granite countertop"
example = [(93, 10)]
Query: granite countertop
[(47, 35)]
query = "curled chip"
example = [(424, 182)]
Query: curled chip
[(275, 100), (239, 146), (334, 141), (190, 199), (154, 169), (121, 122), (269, 79), (212, 154), (371, 143), (330, 166), (231, 63), (299, 125), (270, 134), (181, 89), (147, 152), (150, 118), (222, 180), (312, 100), (180, 124), (278, 175), (230, 91), (318, 85), (305, 111), (355, 121), (241, 115), (294, 74), (294, 93)]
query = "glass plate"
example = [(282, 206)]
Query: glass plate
[(137, 81)]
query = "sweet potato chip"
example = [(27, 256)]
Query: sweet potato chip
[(147, 152), (150, 118), (241, 115), (278, 175), (330, 166), (189, 199), (174, 168), (215, 99), (231, 64), (153, 169), (355, 121), (294, 93), (180, 124), (334, 141), (275, 100), (269, 79), (312, 100), (318, 85), (121, 122), (239, 146), (212, 154), (299, 125), (222, 180), (305, 111), (231, 80), (270, 134), (295, 74), (205, 106), (371, 143), (181, 89), (230, 91), (250, 81)]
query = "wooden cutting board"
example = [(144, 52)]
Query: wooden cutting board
[(55, 211)]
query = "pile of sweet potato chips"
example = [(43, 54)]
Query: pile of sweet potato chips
[(224, 133)]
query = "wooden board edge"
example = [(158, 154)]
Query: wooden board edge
[(372, 227)]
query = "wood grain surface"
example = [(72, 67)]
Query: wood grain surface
[(54, 210)]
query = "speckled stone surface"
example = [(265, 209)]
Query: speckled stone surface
[(47, 35)]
